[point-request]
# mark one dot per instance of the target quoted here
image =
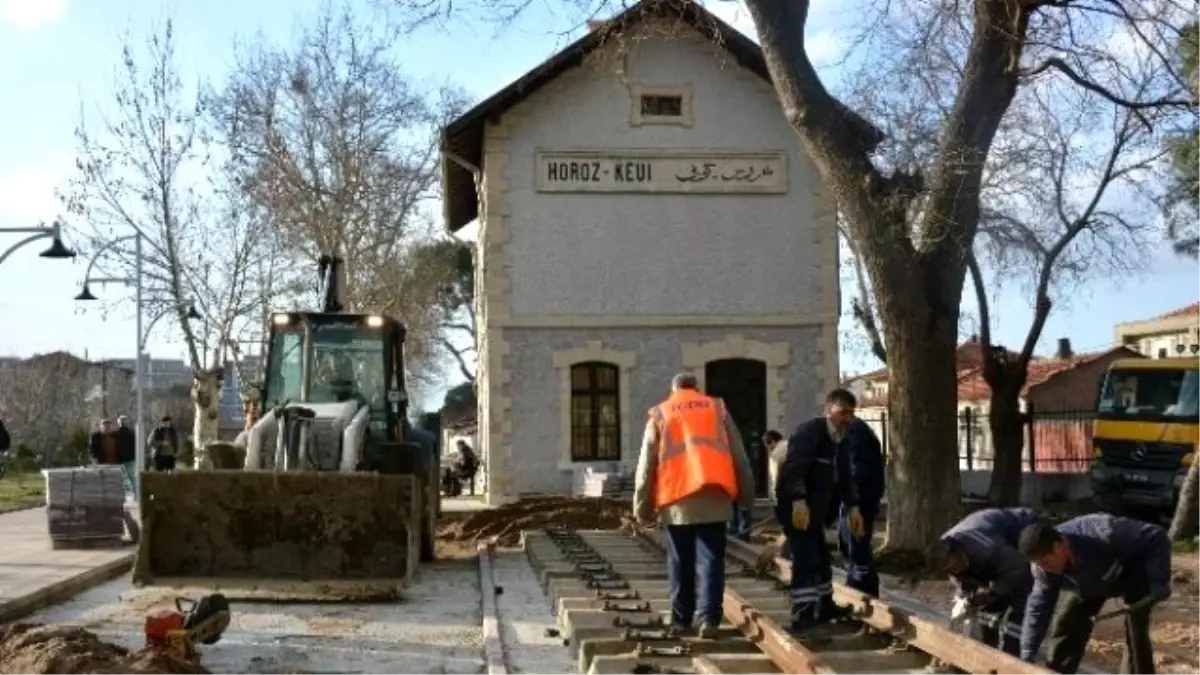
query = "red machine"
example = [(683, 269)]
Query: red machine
[(177, 630)]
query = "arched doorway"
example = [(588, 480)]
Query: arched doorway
[(742, 384)]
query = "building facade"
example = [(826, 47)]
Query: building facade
[(1176, 333), (644, 208)]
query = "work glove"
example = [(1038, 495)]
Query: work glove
[(961, 610), (800, 514), (855, 520)]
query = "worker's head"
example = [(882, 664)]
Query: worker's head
[(165, 421), (839, 408), (106, 425), (771, 439), (684, 381), (122, 421), (1045, 547), (943, 557)]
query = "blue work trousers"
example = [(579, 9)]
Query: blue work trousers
[(696, 551), (812, 571), (858, 552), (739, 525)]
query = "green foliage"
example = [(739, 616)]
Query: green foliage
[(1184, 192), (452, 264), (459, 403)]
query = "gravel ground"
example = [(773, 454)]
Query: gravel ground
[(434, 629), (525, 614)]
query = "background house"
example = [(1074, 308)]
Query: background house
[(1176, 333)]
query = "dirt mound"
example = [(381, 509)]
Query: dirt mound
[(532, 513), (31, 648)]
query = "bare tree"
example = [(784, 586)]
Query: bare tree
[(144, 169), (335, 148), (1069, 211), (47, 398), (914, 222)]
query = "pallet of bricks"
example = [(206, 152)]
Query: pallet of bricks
[(85, 507), (615, 483)]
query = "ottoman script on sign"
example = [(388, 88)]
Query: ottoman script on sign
[(666, 172)]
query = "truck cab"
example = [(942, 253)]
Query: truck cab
[(1145, 434)]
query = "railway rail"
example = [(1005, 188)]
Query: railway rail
[(610, 597)]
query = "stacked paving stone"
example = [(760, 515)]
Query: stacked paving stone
[(617, 484), (85, 506)]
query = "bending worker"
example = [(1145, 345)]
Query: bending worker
[(1084, 562), (980, 554), (693, 471), (867, 465), (816, 470)]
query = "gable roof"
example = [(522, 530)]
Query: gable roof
[(972, 386), (1189, 310), (462, 139)]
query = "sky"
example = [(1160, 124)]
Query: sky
[(59, 55)]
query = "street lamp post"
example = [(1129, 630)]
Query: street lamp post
[(139, 367), (56, 251)]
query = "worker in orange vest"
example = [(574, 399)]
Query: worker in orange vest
[(691, 471)]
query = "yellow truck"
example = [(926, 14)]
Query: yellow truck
[(1146, 431)]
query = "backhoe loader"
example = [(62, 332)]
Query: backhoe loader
[(338, 494)]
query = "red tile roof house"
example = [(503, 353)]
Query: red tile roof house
[(1061, 390)]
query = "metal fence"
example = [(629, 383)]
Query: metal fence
[(1055, 442)]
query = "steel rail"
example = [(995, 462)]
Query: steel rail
[(923, 633)]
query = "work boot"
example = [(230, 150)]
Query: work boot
[(708, 631), (206, 619), (830, 611)]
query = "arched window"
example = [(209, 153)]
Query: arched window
[(595, 412)]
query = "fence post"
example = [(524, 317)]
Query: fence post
[(969, 425), (883, 433), (1030, 424)]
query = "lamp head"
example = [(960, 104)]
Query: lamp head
[(85, 294), (57, 250)]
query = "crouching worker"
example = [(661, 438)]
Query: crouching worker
[(692, 471), (816, 470), (1080, 565), (980, 554)]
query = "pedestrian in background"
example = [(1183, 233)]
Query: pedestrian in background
[(776, 446), (164, 444), (816, 470), (127, 453), (102, 446), (692, 473)]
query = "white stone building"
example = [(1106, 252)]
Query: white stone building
[(644, 208)]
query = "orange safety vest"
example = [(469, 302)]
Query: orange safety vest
[(693, 450)]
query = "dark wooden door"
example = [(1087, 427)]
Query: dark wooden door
[(742, 384)]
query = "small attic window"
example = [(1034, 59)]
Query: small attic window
[(661, 105), (658, 105)]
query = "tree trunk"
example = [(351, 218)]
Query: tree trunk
[(1187, 513), (1008, 442), (206, 396), (924, 487)]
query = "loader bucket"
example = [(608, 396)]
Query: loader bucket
[(323, 533)]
